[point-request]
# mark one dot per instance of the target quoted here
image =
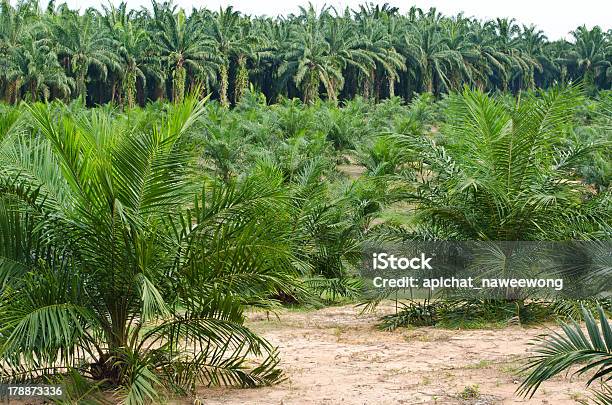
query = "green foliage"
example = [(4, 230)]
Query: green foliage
[(133, 240), (413, 313), (470, 392), (113, 264), (469, 313), (556, 353), (499, 169), (505, 173)]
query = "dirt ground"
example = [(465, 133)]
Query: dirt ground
[(336, 356)]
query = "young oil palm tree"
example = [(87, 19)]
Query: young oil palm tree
[(506, 174), (113, 267), (559, 352)]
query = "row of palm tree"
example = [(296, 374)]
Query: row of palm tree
[(131, 56)]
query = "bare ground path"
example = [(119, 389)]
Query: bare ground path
[(336, 356)]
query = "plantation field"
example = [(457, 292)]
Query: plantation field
[(193, 206), (336, 355), (150, 254)]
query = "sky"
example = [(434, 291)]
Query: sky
[(555, 17)]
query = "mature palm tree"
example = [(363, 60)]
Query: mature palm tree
[(308, 59), (387, 61), (135, 45), (36, 67), (182, 46), (492, 62), (16, 28), (558, 51), (427, 49), (508, 37), (134, 52), (465, 69), (347, 50), (274, 36), (231, 39), (106, 275), (591, 55), (532, 45), (83, 48)]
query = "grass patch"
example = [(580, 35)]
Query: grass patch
[(470, 392), (480, 365)]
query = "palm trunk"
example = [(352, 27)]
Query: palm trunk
[(100, 92), (589, 78), (178, 83), (160, 91), (391, 86), (332, 94), (80, 85), (113, 91), (504, 83), (563, 74), (428, 79), (200, 86), (116, 337), (8, 92), (33, 90), (242, 79), (366, 89), (430, 86), (140, 93), (13, 92), (130, 88), (223, 85), (368, 85), (311, 89)]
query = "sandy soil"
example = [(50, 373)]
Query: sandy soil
[(353, 171), (336, 356)]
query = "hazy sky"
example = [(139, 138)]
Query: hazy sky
[(555, 17)]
